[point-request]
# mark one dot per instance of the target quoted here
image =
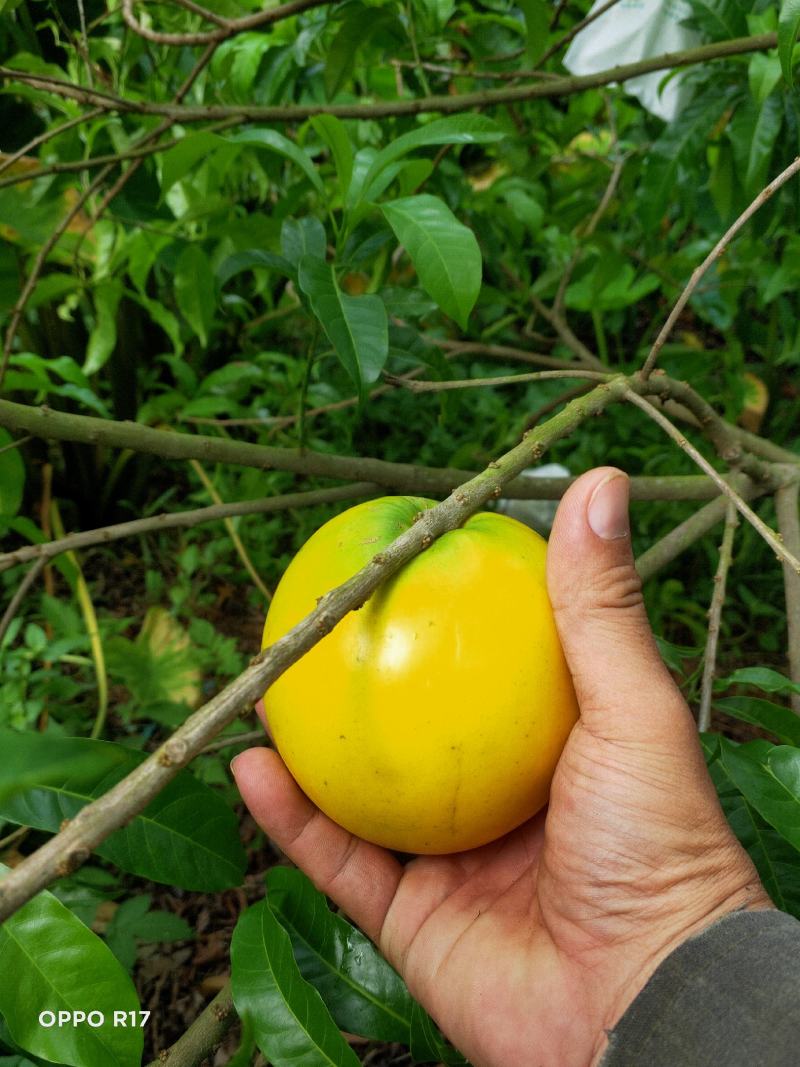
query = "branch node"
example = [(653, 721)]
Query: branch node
[(427, 540)]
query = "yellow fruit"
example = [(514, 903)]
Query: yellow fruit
[(430, 720)]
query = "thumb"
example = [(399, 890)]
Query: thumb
[(623, 687)]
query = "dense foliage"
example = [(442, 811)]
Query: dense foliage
[(196, 242)]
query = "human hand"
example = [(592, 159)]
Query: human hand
[(527, 950)]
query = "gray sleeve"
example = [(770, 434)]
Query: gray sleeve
[(730, 995)]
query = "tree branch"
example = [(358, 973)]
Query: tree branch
[(403, 477), (575, 30), (186, 519), (19, 595), (204, 1035), (741, 506), (48, 135), (670, 546), (712, 257), (447, 105), (71, 847), (715, 615), (416, 386)]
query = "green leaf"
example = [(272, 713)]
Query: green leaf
[(51, 287), (720, 20), (239, 60), (681, 140), (103, 337), (788, 25), (763, 74), (768, 776), (444, 252), (774, 858), (754, 131), (303, 237), (192, 149), (356, 326), (341, 55), (195, 292), (334, 134), (249, 259), (187, 836), (58, 964), (31, 758), (363, 993), (762, 678), (276, 142), (457, 129), (293, 1028), (537, 24), (778, 720)]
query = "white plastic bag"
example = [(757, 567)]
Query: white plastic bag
[(634, 30)]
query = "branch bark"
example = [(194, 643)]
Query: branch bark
[(711, 258), (742, 507), (446, 105), (185, 519), (70, 848), (715, 616), (670, 546), (204, 1035), (402, 477)]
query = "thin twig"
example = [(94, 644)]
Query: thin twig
[(597, 215), (48, 135), (85, 39), (38, 265), (250, 738), (769, 535), (461, 72), (562, 328), (73, 845), (69, 166), (236, 540), (575, 30), (20, 441), (185, 520), (19, 596), (515, 355), (227, 27), (714, 617), (786, 510), (551, 405), (151, 138), (712, 257), (686, 533), (503, 379)]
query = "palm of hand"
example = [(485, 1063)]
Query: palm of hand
[(541, 932)]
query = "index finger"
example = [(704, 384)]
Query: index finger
[(360, 877)]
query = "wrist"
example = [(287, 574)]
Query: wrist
[(639, 962)]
